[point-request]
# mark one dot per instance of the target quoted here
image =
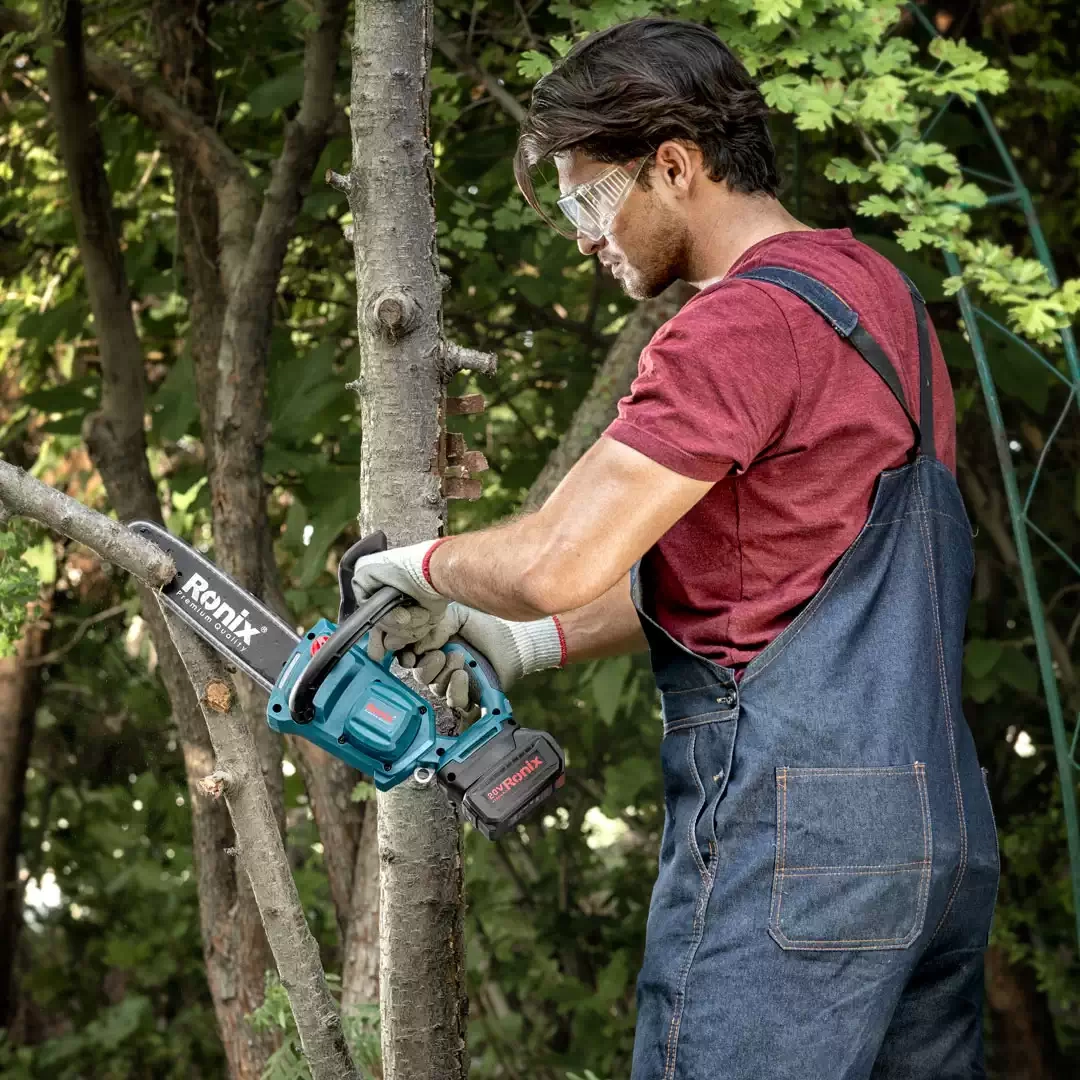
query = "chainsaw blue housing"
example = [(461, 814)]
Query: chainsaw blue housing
[(373, 721)]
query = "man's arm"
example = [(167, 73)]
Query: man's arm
[(610, 508), (609, 626)]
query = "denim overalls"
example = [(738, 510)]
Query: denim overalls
[(829, 861)]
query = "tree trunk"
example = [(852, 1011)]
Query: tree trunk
[(360, 964), (20, 687), (402, 379), (238, 776), (234, 946), (1024, 1043)]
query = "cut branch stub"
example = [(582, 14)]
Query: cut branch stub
[(457, 358), (458, 488), (393, 313), (456, 462), (468, 405), (341, 181)]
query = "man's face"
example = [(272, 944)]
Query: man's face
[(646, 243)]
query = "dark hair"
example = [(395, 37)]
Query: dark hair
[(619, 93)]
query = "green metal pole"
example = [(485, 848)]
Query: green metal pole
[(1017, 510), (1031, 590)]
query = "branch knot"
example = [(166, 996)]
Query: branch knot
[(393, 312)]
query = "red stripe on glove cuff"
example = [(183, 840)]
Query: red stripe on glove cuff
[(425, 566), (562, 640)]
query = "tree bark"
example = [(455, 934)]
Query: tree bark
[(20, 687), (235, 946), (1024, 1041), (261, 851), (360, 963), (421, 947), (237, 775)]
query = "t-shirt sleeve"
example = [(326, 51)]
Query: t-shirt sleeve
[(716, 387)]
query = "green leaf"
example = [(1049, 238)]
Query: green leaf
[(1018, 671), (980, 656), (276, 93), (77, 396), (842, 171), (607, 685), (533, 65), (174, 408)]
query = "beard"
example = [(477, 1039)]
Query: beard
[(661, 262)]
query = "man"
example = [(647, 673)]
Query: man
[(774, 516)]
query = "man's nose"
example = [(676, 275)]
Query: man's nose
[(590, 247)]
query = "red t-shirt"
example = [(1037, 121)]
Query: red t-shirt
[(749, 386)]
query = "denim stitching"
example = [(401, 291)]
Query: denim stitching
[(928, 845), (832, 946), (672, 1051), (993, 821), (854, 770), (782, 833), (803, 618), (691, 830), (917, 868), (948, 718), (858, 868), (699, 720), (917, 770), (797, 627), (915, 513)]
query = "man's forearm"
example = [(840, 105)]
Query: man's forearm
[(609, 626), (610, 509)]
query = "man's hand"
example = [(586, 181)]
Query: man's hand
[(405, 569), (513, 649)]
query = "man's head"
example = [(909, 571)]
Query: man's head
[(651, 124)]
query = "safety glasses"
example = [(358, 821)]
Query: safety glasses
[(591, 207)]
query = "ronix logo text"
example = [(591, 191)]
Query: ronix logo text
[(512, 781), (233, 626)]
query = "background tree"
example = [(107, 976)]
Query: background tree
[(110, 980)]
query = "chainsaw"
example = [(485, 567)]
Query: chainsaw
[(326, 689)]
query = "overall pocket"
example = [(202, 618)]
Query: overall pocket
[(853, 856)]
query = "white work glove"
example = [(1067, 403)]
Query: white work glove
[(404, 569), (513, 649)]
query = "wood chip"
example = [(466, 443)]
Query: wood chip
[(218, 697)]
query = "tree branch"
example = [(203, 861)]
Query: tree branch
[(498, 92), (305, 138), (457, 358), (262, 851), (185, 131), (990, 515), (238, 428), (238, 775), (235, 948), (22, 494), (612, 381)]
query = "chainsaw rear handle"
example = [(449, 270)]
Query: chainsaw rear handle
[(355, 620)]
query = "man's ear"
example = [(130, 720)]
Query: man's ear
[(675, 166)]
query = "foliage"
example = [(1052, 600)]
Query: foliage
[(19, 584), (360, 1024), (557, 911)]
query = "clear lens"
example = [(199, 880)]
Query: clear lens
[(592, 208)]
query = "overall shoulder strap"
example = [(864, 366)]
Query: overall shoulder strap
[(845, 321)]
